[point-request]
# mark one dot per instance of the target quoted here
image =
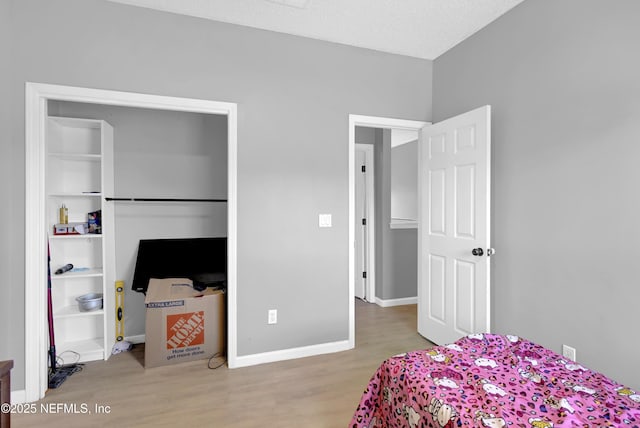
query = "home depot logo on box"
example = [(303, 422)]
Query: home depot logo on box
[(185, 330)]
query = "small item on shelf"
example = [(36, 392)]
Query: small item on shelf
[(60, 229), (71, 229), (65, 268), (95, 221), (64, 215), (81, 228), (89, 302)]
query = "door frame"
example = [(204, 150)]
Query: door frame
[(370, 248), (366, 122), (36, 112)]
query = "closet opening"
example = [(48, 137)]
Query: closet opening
[(170, 174)]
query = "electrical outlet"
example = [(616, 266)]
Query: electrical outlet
[(569, 352), (273, 316)]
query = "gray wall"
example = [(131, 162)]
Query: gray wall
[(403, 249), (160, 154), (396, 249), (11, 289), (365, 135), (284, 86), (562, 77)]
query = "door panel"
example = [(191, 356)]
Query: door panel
[(437, 288), (454, 218), (465, 138), (464, 210), (437, 195), (464, 295), (437, 145)]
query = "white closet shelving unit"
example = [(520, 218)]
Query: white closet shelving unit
[(79, 174)]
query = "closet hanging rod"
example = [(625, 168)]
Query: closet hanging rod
[(164, 200)]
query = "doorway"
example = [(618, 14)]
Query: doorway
[(37, 98), (367, 122)]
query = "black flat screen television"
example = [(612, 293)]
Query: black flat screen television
[(204, 260)]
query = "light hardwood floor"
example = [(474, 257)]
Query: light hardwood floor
[(321, 391)]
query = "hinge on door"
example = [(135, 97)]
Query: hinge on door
[(364, 275), (364, 221), (364, 168)]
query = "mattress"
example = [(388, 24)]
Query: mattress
[(487, 380)]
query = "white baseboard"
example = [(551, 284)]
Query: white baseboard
[(271, 357), (396, 302), (135, 339), (18, 397), (289, 354)]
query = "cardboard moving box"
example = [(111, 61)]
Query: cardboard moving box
[(182, 324)]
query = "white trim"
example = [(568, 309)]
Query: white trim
[(386, 123), (370, 292), (37, 95), (232, 234), (403, 224), (35, 340), (368, 122), (18, 397), (351, 243), (386, 303), (292, 353)]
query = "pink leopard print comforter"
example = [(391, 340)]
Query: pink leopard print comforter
[(493, 381)]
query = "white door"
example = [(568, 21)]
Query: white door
[(360, 228), (454, 217)]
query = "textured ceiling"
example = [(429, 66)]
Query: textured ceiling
[(418, 28)]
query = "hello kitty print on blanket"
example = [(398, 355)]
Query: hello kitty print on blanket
[(486, 380)]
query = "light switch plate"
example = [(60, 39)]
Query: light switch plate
[(324, 220)]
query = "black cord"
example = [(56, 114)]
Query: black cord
[(77, 368), (218, 355), (70, 368)]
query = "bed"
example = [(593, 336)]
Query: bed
[(486, 380)]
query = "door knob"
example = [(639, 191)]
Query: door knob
[(480, 252)]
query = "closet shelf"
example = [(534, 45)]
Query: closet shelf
[(85, 236), (73, 311), (89, 273)]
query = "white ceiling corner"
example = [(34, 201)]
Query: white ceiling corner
[(417, 28)]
